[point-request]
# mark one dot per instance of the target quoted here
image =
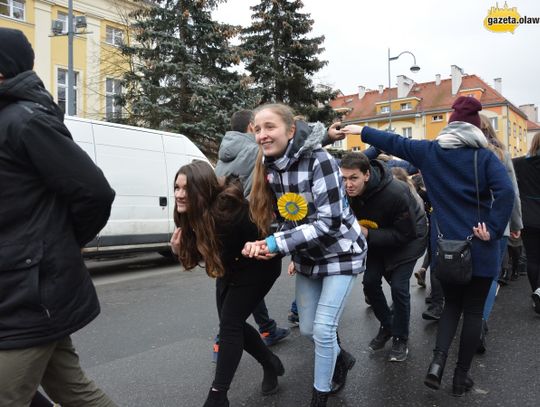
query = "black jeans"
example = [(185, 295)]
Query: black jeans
[(260, 314), (398, 323), (235, 302), (531, 241), (468, 300)]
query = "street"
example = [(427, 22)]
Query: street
[(151, 346)]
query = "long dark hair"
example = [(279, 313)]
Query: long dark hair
[(208, 201)]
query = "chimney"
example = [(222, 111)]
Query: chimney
[(498, 85), (404, 86), (381, 89), (457, 74), (438, 79), (361, 91), (531, 111)]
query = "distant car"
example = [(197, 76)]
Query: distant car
[(140, 164)]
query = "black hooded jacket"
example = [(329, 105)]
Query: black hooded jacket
[(397, 223), (53, 200)]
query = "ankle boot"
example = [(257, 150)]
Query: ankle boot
[(345, 362), (435, 370), (319, 398), (462, 382), (216, 399), (272, 369)]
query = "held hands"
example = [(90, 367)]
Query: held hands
[(481, 231), (257, 250), (175, 241), (352, 129), (515, 234), (335, 133)]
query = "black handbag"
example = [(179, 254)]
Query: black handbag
[(453, 259)]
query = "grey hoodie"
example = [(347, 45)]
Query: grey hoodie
[(237, 155)]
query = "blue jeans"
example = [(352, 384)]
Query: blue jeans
[(490, 300), (320, 305)]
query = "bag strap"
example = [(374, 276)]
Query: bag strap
[(439, 234)]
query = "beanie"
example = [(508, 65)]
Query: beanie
[(16, 53), (466, 109)]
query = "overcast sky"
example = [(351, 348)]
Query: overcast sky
[(439, 33)]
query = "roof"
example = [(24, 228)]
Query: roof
[(532, 126), (432, 97)]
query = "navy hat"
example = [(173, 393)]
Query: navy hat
[(16, 53), (466, 109)]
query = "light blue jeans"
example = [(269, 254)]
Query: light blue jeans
[(320, 305)]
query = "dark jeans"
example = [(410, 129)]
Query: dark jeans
[(235, 302), (399, 282), (468, 300), (260, 314), (531, 241)]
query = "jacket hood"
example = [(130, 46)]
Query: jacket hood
[(307, 137), (380, 177), (233, 143), (27, 87)]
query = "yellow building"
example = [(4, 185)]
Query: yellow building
[(97, 60), (422, 110)]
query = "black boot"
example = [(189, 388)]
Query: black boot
[(435, 370), (216, 399), (345, 362), (272, 370), (319, 398), (462, 382)]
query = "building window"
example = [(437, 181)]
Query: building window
[(407, 132), (494, 123), (61, 86), (114, 36), (113, 89), (437, 118), (356, 149), (405, 106), (385, 109), (338, 144), (12, 8)]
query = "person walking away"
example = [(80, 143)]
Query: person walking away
[(53, 201)]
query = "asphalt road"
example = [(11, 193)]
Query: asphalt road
[(151, 346)]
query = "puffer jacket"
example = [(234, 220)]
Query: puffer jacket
[(323, 237), (53, 200)]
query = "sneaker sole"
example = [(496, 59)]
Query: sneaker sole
[(430, 317), (536, 300), (395, 359)]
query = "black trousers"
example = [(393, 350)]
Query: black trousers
[(468, 300), (236, 299), (531, 241)]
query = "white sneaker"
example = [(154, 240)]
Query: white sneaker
[(536, 299)]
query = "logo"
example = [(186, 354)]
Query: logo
[(506, 19)]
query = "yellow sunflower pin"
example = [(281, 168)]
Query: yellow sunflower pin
[(368, 224), (292, 206)]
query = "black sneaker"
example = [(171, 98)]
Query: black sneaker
[(536, 300), (380, 340), (399, 350), (432, 313), (271, 338)]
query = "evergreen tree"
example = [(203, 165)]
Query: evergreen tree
[(282, 59), (180, 78)]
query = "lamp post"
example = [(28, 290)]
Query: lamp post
[(414, 68)]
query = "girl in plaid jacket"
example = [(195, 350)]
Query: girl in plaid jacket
[(298, 183)]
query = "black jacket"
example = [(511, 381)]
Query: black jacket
[(53, 200), (528, 178), (397, 223)]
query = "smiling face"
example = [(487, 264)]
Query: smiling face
[(355, 181), (272, 133), (180, 193)]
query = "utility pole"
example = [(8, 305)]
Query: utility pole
[(71, 75)]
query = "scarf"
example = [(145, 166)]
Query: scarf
[(461, 134)]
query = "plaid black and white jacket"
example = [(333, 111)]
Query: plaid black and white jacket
[(328, 240)]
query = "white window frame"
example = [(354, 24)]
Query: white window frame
[(116, 109), (114, 36), (407, 132), (385, 109), (494, 121), (64, 86), (15, 6), (356, 149), (405, 106), (338, 144), (437, 118)]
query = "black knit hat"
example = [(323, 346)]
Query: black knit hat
[(16, 53)]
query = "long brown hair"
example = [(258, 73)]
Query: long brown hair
[(535, 145), (208, 201), (261, 199), (494, 144)]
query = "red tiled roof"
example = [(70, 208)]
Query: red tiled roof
[(432, 98), (531, 126)]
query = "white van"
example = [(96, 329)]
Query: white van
[(140, 164)]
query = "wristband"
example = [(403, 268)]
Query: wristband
[(271, 244)]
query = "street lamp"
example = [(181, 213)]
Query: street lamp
[(414, 68)]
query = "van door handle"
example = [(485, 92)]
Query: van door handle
[(162, 201)]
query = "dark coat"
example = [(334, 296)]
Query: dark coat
[(528, 179), (53, 200), (401, 232)]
